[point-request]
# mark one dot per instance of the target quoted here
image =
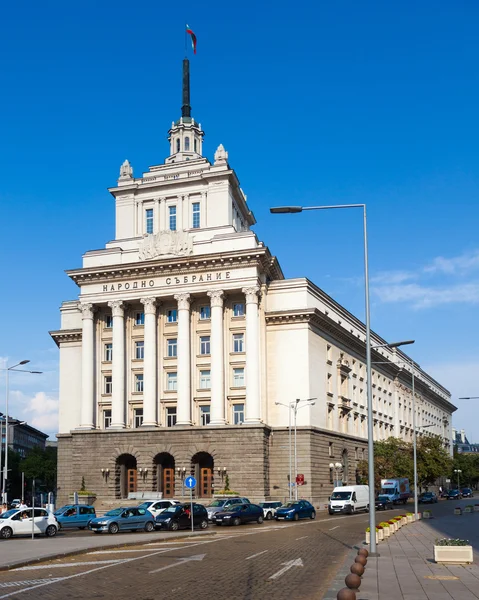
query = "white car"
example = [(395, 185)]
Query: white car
[(19, 522), (269, 509), (158, 506)]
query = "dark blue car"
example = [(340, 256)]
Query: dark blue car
[(295, 510), (240, 513)]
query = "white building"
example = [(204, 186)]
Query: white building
[(185, 335)]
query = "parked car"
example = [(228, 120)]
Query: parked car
[(19, 522), (298, 509), (75, 515), (467, 493), (222, 504), (444, 494), (129, 518), (428, 497), (239, 514), (179, 517), (156, 507), (454, 495), (384, 502), (269, 509), (15, 503)]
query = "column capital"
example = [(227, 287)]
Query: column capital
[(87, 310), (150, 305), (183, 301), (217, 297), (251, 294), (117, 308)]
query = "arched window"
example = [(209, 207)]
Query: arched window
[(177, 144), (196, 150), (187, 144)]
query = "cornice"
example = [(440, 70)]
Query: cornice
[(62, 336)]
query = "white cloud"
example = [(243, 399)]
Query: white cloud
[(421, 296), (457, 265), (392, 277), (43, 412)]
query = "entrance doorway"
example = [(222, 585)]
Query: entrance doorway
[(125, 475), (164, 469), (202, 466)]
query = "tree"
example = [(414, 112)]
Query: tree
[(41, 465), (433, 460), (468, 464)]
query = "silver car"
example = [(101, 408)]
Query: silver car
[(129, 518), (223, 504)]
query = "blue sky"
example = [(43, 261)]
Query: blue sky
[(316, 103)]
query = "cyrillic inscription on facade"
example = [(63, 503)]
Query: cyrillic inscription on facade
[(168, 281)]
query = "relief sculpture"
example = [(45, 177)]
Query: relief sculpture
[(178, 243)]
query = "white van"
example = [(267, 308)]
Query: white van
[(349, 499)]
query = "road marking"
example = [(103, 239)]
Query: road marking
[(255, 555), (302, 538), (119, 551), (28, 582), (333, 528), (72, 564), (287, 566), (181, 561)]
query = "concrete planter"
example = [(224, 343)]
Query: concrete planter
[(380, 535), (453, 554), (468, 509), (368, 537), (427, 514), (387, 532), (404, 521), (84, 499), (476, 507), (458, 511), (410, 518)]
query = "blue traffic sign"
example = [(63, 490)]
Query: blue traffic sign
[(190, 482)]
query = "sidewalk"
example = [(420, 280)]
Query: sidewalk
[(18, 552), (405, 569)]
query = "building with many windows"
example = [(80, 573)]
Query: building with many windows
[(186, 342), (21, 437)]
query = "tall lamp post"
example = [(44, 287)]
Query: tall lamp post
[(5, 460), (372, 505), (458, 472), (335, 467), (294, 406)]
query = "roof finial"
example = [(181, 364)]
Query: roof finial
[(186, 108)]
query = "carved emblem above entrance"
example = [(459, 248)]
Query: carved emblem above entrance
[(178, 243)]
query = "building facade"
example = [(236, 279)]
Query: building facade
[(186, 341), (22, 437)]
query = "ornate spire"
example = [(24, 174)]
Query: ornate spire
[(186, 108)]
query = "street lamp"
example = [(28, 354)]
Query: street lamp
[(458, 471), (335, 467), (294, 406), (5, 460), (372, 498)]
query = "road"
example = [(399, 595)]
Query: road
[(250, 562)]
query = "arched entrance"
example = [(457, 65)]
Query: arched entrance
[(344, 460), (164, 474), (125, 475), (202, 468)]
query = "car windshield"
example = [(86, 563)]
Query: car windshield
[(9, 513), (233, 507), (145, 504), (217, 503), (61, 510), (114, 513), (383, 498), (427, 494), (289, 505), (268, 504), (340, 495)]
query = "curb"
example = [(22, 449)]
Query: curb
[(24, 563), (338, 582)]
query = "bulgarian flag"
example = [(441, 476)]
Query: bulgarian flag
[(193, 38)]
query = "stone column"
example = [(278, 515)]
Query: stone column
[(149, 364), (253, 408), (183, 409), (164, 224), (118, 365), (217, 359), (87, 366)]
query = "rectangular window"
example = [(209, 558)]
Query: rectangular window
[(172, 212), (238, 310), (108, 352), (196, 215), (106, 418), (149, 220), (139, 382), (108, 385), (205, 344), (205, 312), (238, 414), (330, 448), (137, 417), (171, 416), (172, 315), (238, 342), (108, 321), (172, 347), (139, 350), (238, 377), (172, 381), (204, 415), (205, 380), (140, 318)]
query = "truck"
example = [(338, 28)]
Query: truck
[(349, 499), (397, 489)]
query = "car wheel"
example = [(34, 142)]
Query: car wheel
[(113, 528), (260, 519), (367, 508), (330, 512), (174, 526), (203, 524), (149, 527), (313, 515), (82, 528), (296, 517), (51, 531), (237, 521), (6, 533), (269, 516)]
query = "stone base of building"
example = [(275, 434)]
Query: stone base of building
[(252, 460)]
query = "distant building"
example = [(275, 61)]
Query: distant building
[(462, 444), (22, 437)]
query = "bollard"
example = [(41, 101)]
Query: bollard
[(362, 560), (357, 569), (352, 581), (346, 594), (363, 552)]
